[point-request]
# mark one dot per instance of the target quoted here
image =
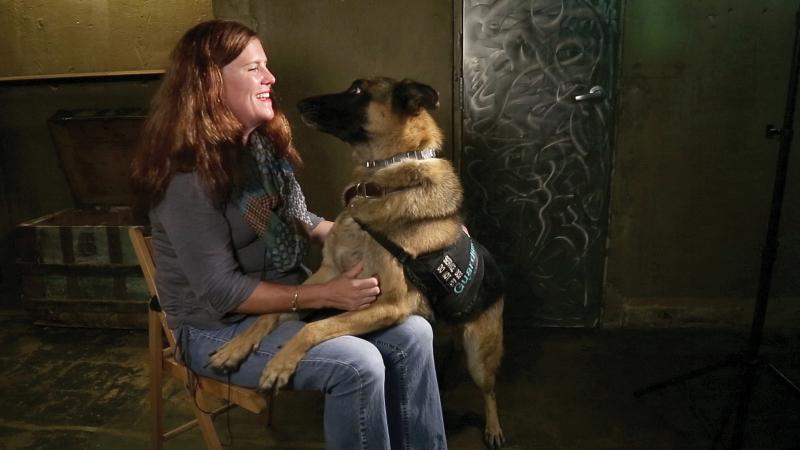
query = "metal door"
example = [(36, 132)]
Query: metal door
[(536, 148)]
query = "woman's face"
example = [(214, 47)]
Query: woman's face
[(247, 85)]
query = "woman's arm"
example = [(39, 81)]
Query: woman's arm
[(320, 232), (197, 236), (200, 237), (345, 292)]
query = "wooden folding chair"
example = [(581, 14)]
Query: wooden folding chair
[(163, 364)]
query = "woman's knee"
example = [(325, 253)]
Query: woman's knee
[(417, 334), (420, 328), (357, 364)]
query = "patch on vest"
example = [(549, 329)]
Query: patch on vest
[(449, 278), (452, 276)]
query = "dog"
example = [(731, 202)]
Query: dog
[(403, 221)]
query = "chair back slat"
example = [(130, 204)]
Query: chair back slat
[(143, 247)]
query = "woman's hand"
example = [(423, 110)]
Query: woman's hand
[(347, 292)]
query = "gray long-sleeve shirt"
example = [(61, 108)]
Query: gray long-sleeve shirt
[(208, 260)]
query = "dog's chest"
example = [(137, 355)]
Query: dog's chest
[(348, 243)]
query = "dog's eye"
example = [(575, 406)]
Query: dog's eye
[(355, 90)]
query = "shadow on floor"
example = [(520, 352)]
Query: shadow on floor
[(72, 388)]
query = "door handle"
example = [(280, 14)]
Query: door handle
[(594, 94)]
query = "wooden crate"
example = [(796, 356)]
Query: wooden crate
[(77, 266)]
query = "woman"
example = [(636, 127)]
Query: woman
[(230, 229)]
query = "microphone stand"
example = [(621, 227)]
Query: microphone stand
[(750, 360)]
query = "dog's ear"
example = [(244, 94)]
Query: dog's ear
[(408, 97)]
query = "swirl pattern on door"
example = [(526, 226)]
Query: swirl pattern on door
[(536, 161)]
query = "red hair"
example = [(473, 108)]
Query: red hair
[(189, 127)]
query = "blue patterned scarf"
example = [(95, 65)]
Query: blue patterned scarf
[(272, 203)]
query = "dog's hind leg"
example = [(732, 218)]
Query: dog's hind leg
[(483, 344)]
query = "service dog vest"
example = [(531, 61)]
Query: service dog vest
[(452, 279)]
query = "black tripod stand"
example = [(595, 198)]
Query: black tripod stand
[(750, 361)]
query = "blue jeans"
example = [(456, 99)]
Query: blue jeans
[(380, 389)]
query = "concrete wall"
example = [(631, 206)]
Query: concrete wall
[(42, 37), (692, 172), (693, 176)]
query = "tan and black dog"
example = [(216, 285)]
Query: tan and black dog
[(403, 205)]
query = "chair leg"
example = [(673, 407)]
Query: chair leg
[(156, 375), (206, 423)]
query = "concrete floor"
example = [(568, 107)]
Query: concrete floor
[(76, 388)]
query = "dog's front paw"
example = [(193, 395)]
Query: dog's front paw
[(278, 371), (493, 437), (230, 356)]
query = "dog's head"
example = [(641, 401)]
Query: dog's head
[(370, 111)]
